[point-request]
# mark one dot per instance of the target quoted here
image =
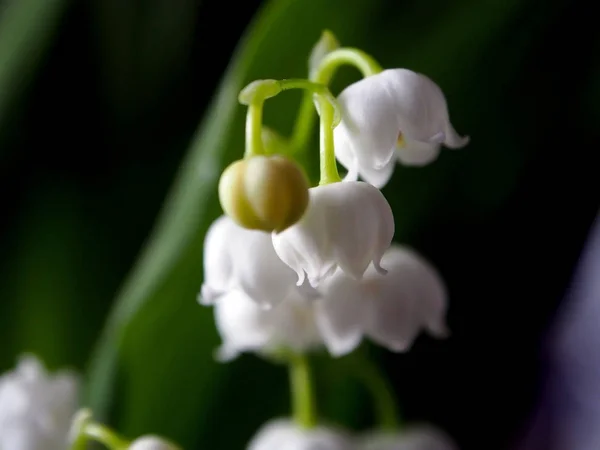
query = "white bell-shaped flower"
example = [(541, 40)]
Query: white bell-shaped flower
[(421, 437), (151, 443), (236, 258), (36, 408), (282, 434), (397, 113), (347, 225), (389, 309), (246, 326)]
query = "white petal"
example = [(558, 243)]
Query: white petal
[(413, 438), (305, 247), (420, 105), (151, 443), (245, 326), (345, 155), (238, 258), (411, 296), (242, 324), (218, 261), (376, 177), (283, 434), (348, 224), (453, 139), (341, 313), (27, 437), (259, 271), (415, 153), (369, 127), (390, 309), (294, 323)]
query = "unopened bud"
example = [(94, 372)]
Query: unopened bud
[(268, 193)]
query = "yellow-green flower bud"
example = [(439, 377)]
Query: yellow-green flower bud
[(268, 193)]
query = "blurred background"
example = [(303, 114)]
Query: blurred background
[(108, 185)]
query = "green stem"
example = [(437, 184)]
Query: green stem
[(105, 436), (381, 392), (254, 144), (80, 442), (345, 56), (312, 88), (329, 172), (303, 402), (255, 94), (323, 75)]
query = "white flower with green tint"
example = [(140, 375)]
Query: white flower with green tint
[(347, 225), (246, 326), (395, 115), (389, 309), (237, 258)]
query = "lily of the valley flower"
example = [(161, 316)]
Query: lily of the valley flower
[(286, 435), (413, 438), (390, 309), (152, 443), (396, 114), (246, 326), (236, 258), (36, 408), (347, 225)]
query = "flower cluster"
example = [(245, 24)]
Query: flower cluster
[(293, 268)]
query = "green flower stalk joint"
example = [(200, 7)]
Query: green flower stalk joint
[(266, 191)]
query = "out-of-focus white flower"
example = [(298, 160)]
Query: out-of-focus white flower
[(246, 326), (414, 438), (36, 408), (236, 258), (396, 114), (283, 434), (151, 443), (390, 309), (347, 225)]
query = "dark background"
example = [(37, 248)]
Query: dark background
[(100, 102)]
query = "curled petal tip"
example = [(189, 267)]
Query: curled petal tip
[(380, 270), (302, 278), (224, 354), (455, 141), (439, 330), (400, 346), (207, 296)]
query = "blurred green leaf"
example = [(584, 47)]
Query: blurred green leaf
[(26, 29), (45, 279), (143, 47)]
